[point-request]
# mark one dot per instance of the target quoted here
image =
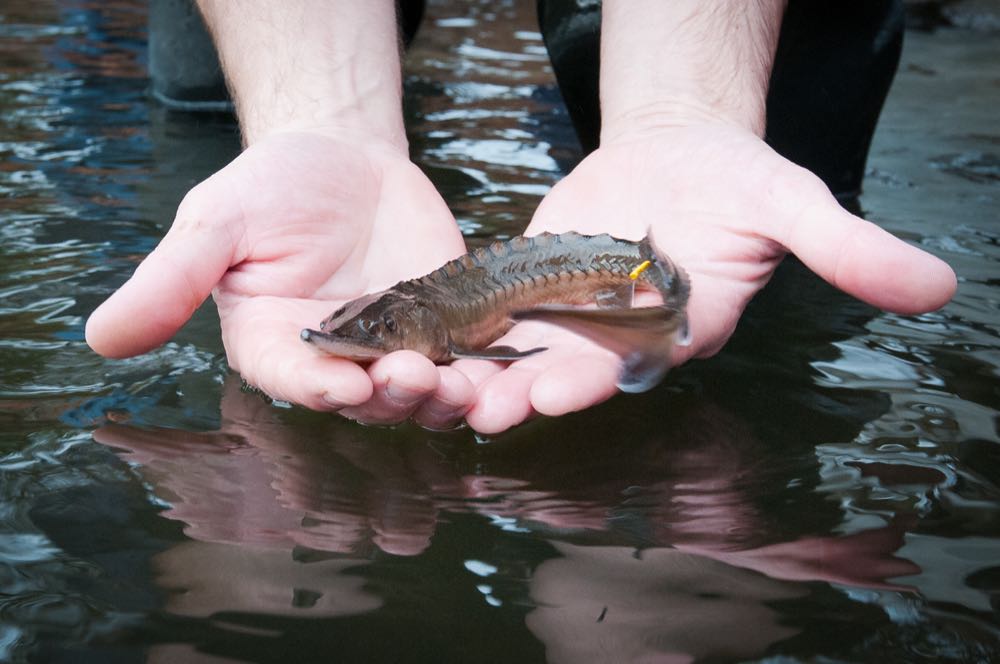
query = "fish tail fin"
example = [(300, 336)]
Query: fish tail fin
[(642, 336), (670, 280), (668, 277)]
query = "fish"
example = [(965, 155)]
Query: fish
[(461, 308)]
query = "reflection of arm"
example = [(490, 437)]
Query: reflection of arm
[(686, 62), (863, 559), (310, 65), (607, 604)]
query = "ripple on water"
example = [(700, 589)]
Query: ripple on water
[(973, 165), (922, 457)]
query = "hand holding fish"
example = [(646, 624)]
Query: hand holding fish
[(316, 221), (323, 206), (726, 208), (683, 88)]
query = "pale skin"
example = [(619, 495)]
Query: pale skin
[(324, 205)]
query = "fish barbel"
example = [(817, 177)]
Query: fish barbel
[(459, 309)]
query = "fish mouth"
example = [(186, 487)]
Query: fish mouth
[(351, 349)]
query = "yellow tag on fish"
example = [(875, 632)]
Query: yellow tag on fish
[(634, 274)]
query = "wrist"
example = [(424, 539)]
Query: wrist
[(686, 62), (652, 117), (335, 108), (297, 65)]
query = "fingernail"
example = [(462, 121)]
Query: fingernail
[(444, 411), (403, 396), (333, 403)]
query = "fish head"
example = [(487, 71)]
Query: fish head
[(378, 324)]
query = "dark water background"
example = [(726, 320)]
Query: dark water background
[(826, 489)]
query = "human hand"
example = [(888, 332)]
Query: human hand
[(726, 208), (293, 227)]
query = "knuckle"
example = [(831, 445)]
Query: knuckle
[(192, 214)]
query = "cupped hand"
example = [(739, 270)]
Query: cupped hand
[(292, 228), (726, 208)]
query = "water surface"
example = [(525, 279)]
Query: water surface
[(826, 489)]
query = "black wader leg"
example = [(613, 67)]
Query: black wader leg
[(833, 68), (183, 64), (572, 33), (834, 65)]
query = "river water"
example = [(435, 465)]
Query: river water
[(825, 489)]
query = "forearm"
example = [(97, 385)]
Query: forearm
[(310, 65), (686, 62)]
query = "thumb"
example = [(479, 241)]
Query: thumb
[(867, 262), (172, 281)]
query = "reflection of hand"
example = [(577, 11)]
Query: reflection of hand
[(860, 559), (267, 485), (607, 604), (272, 485), (725, 207), (297, 224), (679, 604)]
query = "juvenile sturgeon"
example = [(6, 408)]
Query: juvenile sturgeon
[(457, 310)]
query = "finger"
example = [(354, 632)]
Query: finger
[(871, 264), (262, 342), (401, 382), (171, 283), (575, 384), (503, 400), (478, 371), (453, 398)]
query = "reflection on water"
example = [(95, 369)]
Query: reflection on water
[(656, 530), (828, 487)]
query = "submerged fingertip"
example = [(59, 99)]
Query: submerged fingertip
[(485, 425), (493, 415)]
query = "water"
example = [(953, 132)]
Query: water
[(826, 489)]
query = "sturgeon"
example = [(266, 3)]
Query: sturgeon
[(458, 310)]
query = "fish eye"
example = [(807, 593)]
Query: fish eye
[(389, 322)]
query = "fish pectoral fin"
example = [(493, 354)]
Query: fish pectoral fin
[(617, 298), (642, 336), (502, 353)]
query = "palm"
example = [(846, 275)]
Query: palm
[(310, 207), (291, 228), (726, 208), (708, 209), (356, 222)]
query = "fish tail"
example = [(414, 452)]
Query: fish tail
[(666, 276)]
